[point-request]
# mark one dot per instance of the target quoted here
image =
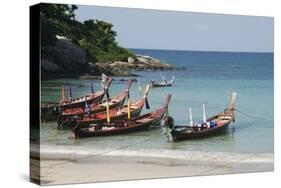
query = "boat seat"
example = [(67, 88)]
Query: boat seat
[(133, 107), (143, 120), (224, 118)]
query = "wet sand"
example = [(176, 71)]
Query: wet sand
[(111, 166)]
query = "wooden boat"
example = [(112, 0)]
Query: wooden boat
[(213, 125), (96, 107), (164, 83), (49, 111), (118, 113), (124, 126), (80, 101)]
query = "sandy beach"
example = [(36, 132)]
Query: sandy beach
[(117, 165)]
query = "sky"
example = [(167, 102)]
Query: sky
[(174, 30)]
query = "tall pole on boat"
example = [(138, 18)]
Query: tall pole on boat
[(70, 92), (173, 79), (129, 107), (92, 88), (139, 88), (204, 114), (190, 116), (62, 94), (107, 108), (107, 112), (232, 100)]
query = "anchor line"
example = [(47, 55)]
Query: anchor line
[(248, 115)]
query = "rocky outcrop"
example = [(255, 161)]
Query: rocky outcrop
[(68, 60), (139, 63), (65, 59)]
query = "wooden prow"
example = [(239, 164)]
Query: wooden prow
[(108, 82), (173, 80), (106, 88), (168, 98), (145, 96), (146, 91), (232, 101), (62, 94), (129, 85), (204, 113), (190, 117)]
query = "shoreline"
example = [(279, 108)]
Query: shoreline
[(65, 165), (104, 168), (75, 152)]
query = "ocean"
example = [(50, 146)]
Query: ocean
[(207, 78)]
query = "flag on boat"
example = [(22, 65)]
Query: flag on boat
[(104, 79)]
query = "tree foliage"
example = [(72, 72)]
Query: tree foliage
[(95, 36)]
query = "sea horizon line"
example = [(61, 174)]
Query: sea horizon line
[(213, 51)]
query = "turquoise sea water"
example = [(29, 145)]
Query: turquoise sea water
[(207, 79)]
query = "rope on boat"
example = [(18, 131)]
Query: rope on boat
[(248, 115)]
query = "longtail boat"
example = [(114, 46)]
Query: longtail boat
[(96, 107), (140, 123), (208, 127), (163, 83), (49, 111), (80, 101), (110, 115)]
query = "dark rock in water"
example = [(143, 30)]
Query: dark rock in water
[(65, 59), (133, 79)]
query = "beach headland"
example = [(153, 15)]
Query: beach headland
[(71, 49), (68, 60)]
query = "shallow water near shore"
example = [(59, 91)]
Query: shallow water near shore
[(207, 79)]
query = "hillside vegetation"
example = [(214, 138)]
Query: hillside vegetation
[(96, 37), (72, 49)]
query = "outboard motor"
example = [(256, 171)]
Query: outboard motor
[(169, 122)]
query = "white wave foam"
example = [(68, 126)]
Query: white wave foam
[(203, 156)]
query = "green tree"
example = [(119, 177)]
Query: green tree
[(97, 37)]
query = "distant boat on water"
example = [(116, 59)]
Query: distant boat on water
[(163, 83)]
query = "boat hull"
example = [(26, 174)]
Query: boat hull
[(220, 121), (90, 100), (49, 112), (72, 122), (178, 135), (81, 113), (161, 85), (84, 133)]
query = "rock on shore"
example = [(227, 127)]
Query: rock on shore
[(139, 63), (68, 60), (65, 59)]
